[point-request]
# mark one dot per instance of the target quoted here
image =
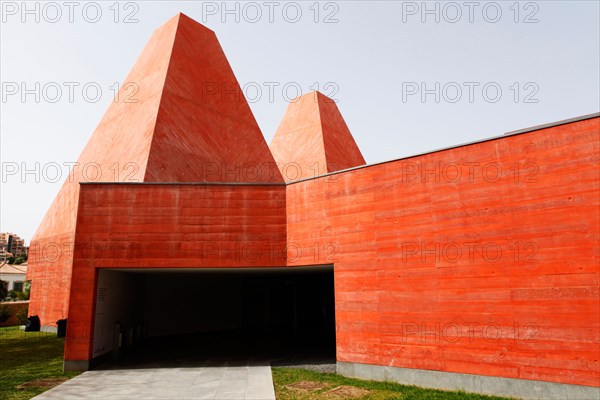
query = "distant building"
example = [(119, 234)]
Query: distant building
[(11, 245)]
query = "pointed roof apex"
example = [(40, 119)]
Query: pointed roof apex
[(180, 20), (316, 95), (323, 98)]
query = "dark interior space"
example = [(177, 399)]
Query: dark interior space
[(280, 315)]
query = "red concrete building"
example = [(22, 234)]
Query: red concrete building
[(474, 267)]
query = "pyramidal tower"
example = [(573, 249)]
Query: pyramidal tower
[(313, 139), (180, 116)]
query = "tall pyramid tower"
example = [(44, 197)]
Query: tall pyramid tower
[(313, 139), (180, 117)]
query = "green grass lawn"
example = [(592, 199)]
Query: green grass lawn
[(28, 356), (336, 387)]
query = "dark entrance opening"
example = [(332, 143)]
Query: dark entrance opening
[(278, 315)]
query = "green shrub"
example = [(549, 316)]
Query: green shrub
[(22, 295), (20, 260), (22, 315)]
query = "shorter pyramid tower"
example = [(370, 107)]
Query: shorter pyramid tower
[(313, 139)]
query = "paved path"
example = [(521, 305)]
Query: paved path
[(212, 381)]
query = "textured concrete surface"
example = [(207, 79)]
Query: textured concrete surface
[(259, 240), (211, 381), (517, 388), (409, 291)]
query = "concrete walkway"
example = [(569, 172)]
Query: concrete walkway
[(212, 381)]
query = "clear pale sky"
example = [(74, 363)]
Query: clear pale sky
[(374, 57)]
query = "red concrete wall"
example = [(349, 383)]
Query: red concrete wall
[(50, 260), (481, 259), (184, 226)]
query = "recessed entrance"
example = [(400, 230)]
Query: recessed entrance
[(193, 315)]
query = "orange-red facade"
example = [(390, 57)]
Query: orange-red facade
[(493, 270), (480, 259)]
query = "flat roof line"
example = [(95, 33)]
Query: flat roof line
[(553, 124), (188, 183), (505, 135)]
